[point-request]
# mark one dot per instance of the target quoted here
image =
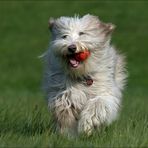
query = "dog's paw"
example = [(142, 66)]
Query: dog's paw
[(85, 126)]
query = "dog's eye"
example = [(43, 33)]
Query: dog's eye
[(81, 33), (64, 36)]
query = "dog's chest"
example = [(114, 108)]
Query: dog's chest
[(87, 86)]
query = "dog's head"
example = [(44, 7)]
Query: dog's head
[(72, 37)]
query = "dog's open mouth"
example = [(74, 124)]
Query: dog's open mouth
[(74, 63), (76, 59)]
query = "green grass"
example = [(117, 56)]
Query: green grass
[(24, 117)]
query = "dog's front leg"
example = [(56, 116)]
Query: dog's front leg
[(98, 111), (65, 115)]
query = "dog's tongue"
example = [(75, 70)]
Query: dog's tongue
[(74, 63), (78, 57)]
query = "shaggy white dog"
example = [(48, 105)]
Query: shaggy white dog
[(83, 94)]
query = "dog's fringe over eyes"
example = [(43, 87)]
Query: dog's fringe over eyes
[(84, 74)]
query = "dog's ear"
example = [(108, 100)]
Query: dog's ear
[(107, 28), (51, 23), (91, 19), (94, 21)]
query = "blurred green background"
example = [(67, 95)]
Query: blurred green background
[(24, 35)]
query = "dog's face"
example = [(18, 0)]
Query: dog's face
[(71, 36)]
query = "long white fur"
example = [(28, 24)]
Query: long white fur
[(78, 108)]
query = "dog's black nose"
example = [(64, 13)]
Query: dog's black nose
[(72, 48)]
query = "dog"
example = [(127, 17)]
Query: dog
[(84, 75)]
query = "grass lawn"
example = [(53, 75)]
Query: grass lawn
[(24, 117)]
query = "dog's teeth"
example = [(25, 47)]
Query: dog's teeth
[(83, 48)]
